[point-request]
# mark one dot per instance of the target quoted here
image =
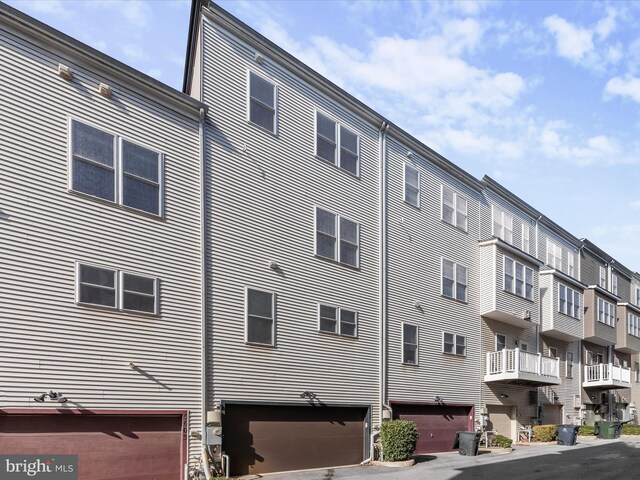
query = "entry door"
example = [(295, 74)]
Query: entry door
[(500, 419)]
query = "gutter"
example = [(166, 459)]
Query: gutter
[(382, 145)]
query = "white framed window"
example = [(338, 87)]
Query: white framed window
[(411, 185), (409, 344), (523, 346), (260, 320), (501, 342), (599, 359), (569, 365), (337, 238), (454, 344), (614, 284), (554, 255), (602, 281), (262, 101), (518, 279), (502, 225), (116, 289), (454, 280), (337, 144), (606, 313), (638, 296), (633, 325), (553, 352), (337, 320), (526, 235), (637, 372), (454, 208), (569, 301), (571, 264), (105, 166)]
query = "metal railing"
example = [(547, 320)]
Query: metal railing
[(516, 360)]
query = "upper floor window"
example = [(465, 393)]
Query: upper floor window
[(614, 284), (571, 265), (569, 301), (554, 255), (633, 326), (106, 287), (337, 238), (262, 102), (502, 225), (454, 280), (606, 313), (637, 296), (602, 279), (337, 144), (337, 320), (454, 344), (411, 185), (454, 208), (553, 352), (518, 279), (130, 175), (526, 235), (409, 344), (260, 307), (569, 365), (501, 342)]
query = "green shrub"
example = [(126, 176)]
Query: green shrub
[(501, 441), (398, 438), (545, 433), (587, 430), (630, 429)]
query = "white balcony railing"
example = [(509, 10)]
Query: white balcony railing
[(515, 364), (606, 375)]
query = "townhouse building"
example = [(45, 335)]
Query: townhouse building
[(100, 265)]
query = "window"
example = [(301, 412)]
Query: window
[(262, 102), (112, 288), (526, 234), (633, 325), (554, 255), (637, 372), (603, 277), (454, 208), (571, 266), (454, 344), (518, 279), (569, 365), (336, 144), (411, 185), (454, 280), (130, 176), (637, 296), (337, 238), (606, 313), (524, 347), (501, 342), (409, 344), (569, 301), (338, 321), (502, 225), (614, 284), (599, 359), (553, 352), (261, 314)]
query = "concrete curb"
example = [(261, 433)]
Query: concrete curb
[(404, 464)]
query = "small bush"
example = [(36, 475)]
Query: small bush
[(630, 429), (398, 438), (501, 441), (545, 433), (587, 430)]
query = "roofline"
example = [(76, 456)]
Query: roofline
[(566, 278), (605, 257), (99, 60), (510, 248), (192, 38), (602, 291)]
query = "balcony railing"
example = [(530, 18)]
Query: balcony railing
[(607, 375), (517, 366)]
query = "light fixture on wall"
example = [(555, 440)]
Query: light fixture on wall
[(104, 90), (438, 398), (259, 59), (53, 396), (417, 304), (504, 395), (273, 265), (64, 71), (409, 154), (308, 394), (556, 398)]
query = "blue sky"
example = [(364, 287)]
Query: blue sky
[(542, 96)]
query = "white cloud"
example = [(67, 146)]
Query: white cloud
[(135, 12), (155, 73), (557, 142), (606, 25), (48, 7), (628, 87), (572, 42), (133, 52)]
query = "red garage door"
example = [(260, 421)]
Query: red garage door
[(437, 424), (113, 447)]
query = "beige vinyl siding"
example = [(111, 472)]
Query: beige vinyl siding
[(590, 269), (262, 192), (488, 286), (570, 387), (509, 302), (48, 341), (624, 287), (552, 319)]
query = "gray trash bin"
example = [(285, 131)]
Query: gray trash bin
[(567, 434), (467, 443)]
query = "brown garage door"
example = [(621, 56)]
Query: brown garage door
[(437, 424), (113, 447), (261, 439)]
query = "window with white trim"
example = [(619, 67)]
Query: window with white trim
[(526, 235), (554, 255), (571, 265), (261, 317), (501, 342), (606, 313), (111, 168), (633, 325), (337, 238), (637, 296), (409, 344), (337, 320), (518, 279), (111, 288), (454, 344), (411, 185), (569, 301), (637, 372), (337, 144), (603, 277), (614, 284), (262, 102), (523, 346), (569, 365), (454, 280), (553, 352), (502, 225), (454, 208)]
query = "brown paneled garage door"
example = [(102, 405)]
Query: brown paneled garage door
[(113, 447), (265, 438), (437, 424)]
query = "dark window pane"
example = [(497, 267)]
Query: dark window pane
[(409, 354), (91, 143), (461, 291), (349, 161), (348, 140), (261, 115), (97, 296), (259, 330), (348, 316), (326, 149), (138, 284), (141, 195), (326, 127), (348, 231), (326, 246), (260, 303), (447, 287), (411, 195), (140, 303), (460, 350), (410, 334), (411, 176), (348, 323), (140, 161), (328, 312), (448, 347), (93, 180), (327, 325), (348, 329), (349, 254), (97, 276), (325, 222), (262, 90), (447, 214)]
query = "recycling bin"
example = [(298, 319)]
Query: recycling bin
[(467, 443), (608, 430), (567, 434)]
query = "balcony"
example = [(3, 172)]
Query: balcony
[(524, 368), (606, 375)]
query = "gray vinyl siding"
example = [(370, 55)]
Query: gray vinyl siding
[(260, 207), (547, 302), (590, 269), (592, 347), (487, 285), (624, 287), (570, 387), (418, 240), (545, 234), (491, 199), (509, 302), (635, 283), (49, 342), (552, 318)]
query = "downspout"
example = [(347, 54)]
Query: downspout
[(539, 316), (382, 193)]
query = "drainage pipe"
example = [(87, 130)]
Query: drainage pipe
[(382, 198)]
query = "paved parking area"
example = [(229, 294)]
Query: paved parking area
[(591, 459)]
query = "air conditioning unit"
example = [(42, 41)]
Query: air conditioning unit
[(526, 314)]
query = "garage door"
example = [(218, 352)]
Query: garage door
[(500, 419), (113, 447), (437, 424), (262, 439)]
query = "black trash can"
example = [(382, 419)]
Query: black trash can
[(567, 434), (467, 443)]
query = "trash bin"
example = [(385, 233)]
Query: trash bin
[(608, 429), (567, 434), (467, 443)]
